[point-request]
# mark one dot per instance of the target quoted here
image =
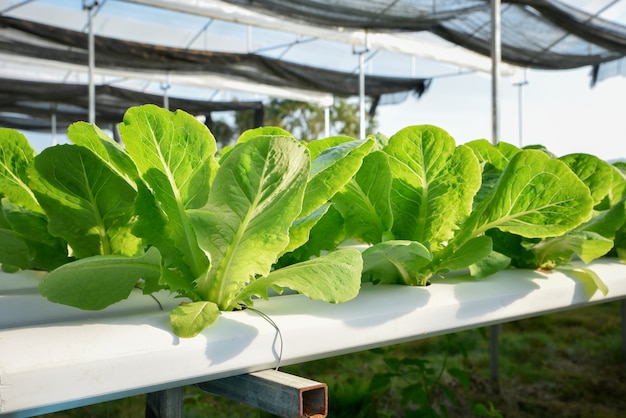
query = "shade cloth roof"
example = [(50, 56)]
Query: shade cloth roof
[(49, 45), (547, 34), (69, 103), (26, 38)]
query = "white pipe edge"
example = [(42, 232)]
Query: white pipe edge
[(60, 365)]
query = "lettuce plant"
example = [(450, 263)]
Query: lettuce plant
[(444, 201), (26, 240), (166, 212), (593, 238), (618, 189)]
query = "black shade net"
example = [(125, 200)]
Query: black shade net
[(545, 34)]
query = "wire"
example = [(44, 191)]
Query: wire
[(279, 335)]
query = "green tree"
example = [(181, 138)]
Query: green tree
[(222, 131), (306, 121)]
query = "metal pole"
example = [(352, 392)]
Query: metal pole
[(495, 69), (53, 127), (495, 135), (165, 87), (165, 404), (327, 121), (249, 39), (276, 392), (623, 328), (520, 86), (519, 114), (362, 94), (91, 59), (494, 357)]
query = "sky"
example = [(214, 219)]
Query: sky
[(559, 110)]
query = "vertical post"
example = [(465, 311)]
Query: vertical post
[(327, 121), (91, 59), (165, 87), (116, 133), (166, 100), (165, 404), (259, 116), (495, 70), (53, 125), (519, 114), (249, 39), (362, 93), (520, 85), (494, 357), (623, 311)]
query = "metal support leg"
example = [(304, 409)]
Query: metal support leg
[(273, 391), (165, 404), (494, 357), (623, 326)]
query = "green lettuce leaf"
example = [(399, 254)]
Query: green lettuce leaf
[(552, 252), (22, 217), (588, 241), (395, 262), (253, 133), (590, 279), (87, 204), (14, 253), (172, 150), (174, 154), (189, 319), (337, 160), (593, 171), (365, 202), (618, 186), (45, 252), (320, 145), (326, 234), (536, 197), (334, 278), (255, 197), (16, 155), (93, 138), (489, 265), (331, 169), (434, 183), (471, 252), (493, 160), (493, 156), (96, 282)]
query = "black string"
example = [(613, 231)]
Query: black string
[(157, 301), (278, 333), (152, 296)]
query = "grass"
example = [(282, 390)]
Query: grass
[(567, 364)]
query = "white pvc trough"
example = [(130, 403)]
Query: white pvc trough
[(53, 357)]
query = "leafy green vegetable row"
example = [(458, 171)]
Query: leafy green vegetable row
[(428, 207), (166, 211)]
